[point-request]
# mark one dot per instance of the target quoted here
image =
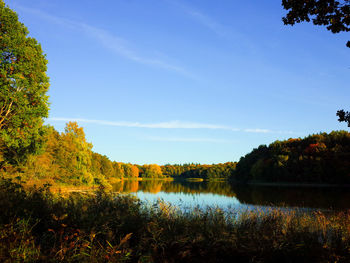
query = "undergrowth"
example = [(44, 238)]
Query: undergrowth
[(39, 226)]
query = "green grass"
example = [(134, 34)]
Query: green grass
[(39, 226)]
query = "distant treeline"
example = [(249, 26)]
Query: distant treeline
[(68, 158), (204, 171), (319, 158)]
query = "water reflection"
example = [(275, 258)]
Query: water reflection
[(312, 197), (225, 195), (155, 186)]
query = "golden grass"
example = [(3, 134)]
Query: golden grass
[(39, 226)]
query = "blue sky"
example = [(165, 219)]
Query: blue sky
[(177, 81)]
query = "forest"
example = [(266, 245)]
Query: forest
[(67, 158), (319, 158), (204, 171)]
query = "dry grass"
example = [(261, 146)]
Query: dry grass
[(37, 225)]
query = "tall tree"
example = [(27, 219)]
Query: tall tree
[(23, 87), (77, 152)]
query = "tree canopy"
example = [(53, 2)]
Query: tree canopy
[(344, 116), (204, 171), (24, 83), (335, 15), (319, 158)]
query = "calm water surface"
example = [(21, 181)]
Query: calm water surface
[(226, 196)]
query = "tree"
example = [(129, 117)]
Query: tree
[(335, 15), (76, 150), (152, 171), (344, 116), (107, 168), (23, 87), (130, 171), (118, 170)]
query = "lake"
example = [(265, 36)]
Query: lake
[(188, 194)]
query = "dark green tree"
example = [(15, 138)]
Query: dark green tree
[(23, 87)]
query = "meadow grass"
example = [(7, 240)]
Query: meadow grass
[(37, 225)]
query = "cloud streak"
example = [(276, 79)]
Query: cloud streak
[(221, 30), (117, 45), (201, 18), (178, 139), (207, 22), (167, 125), (159, 125)]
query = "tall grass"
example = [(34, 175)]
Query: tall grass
[(38, 226)]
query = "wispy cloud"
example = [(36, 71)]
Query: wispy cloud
[(168, 125), (108, 40), (48, 17), (257, 130), (159, 125), (201, 18), (208, 22), (228, 32), (178, 139), (119, 46)]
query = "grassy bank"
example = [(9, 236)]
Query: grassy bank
[(39, 226)]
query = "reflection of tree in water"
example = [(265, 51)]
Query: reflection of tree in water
[(312, 197), (118, 186), (152, 186), (155, 186), (127, 186), (131, 186)]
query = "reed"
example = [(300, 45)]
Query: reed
[(37, 225)]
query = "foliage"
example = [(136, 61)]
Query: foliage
[(205, 171), (319, 158), (151, 171), (37, 226), (344, 116), (130, 171), (102, 165), (335, 15), (23, 82), (68, 158)]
